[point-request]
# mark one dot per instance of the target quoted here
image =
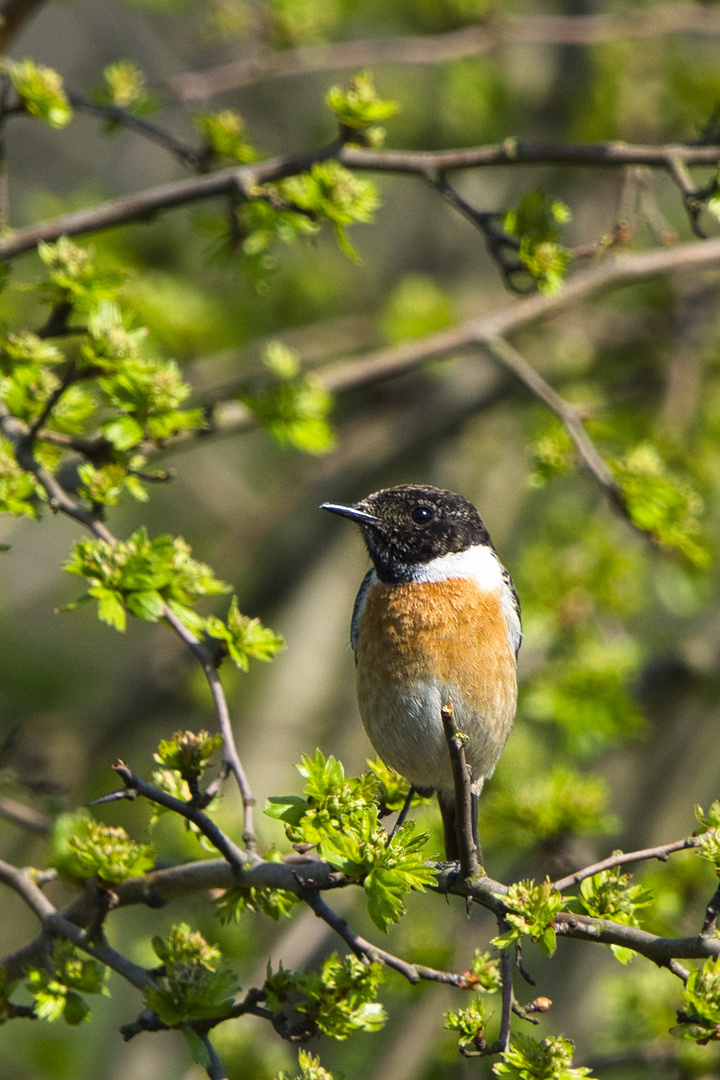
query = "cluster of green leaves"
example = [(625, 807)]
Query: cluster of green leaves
[(537, 223), (608, 895), (291, 404), (359, 110), (470, 1024), (338, 1000), (662, 503), (58, 986), (125, 87), (184, 759), (532, 910), (40, 90), (709, 834), (532, 1059), (142, 576), (224, 136), (310, 1069), (699, 1019), (97, 387), (193, 984), (84, 848), (340, 816)]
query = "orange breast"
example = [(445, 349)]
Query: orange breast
[(419, 644)]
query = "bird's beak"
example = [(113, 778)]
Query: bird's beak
[(355, 513)]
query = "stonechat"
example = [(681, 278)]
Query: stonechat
[(436, 618)]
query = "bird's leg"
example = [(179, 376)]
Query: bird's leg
[(403, 813)]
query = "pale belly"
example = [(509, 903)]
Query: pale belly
[(415, 650)]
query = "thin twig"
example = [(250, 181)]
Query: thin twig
[(23, 815), (230, 753), (55, 923), (620, 858), (188, 155), (464, 829), (365, 950), (515, 363), (234, 855)]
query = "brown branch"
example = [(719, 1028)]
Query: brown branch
[(497, 31), (23, 815), (21, 881), (567, 413), (243, 181), (231, 758), (235, 856), (464, 827), (366, 950), (620, 858), (662, 951), (185, 153)]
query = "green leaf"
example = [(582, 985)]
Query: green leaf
[(530, 1059), (41, 91), (537, 223), (532, 909), (198, 1049)]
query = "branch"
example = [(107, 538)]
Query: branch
[(233, 854), (365, 950), (17, 812), (243, 181), (21, 881), (186, 154), (620, 858), (464, 827), (662, 951), (497, 31), (569, 414)]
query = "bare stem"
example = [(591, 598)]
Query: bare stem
[(464, 829), (620, 858)]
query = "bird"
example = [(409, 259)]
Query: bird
[(436, 619)]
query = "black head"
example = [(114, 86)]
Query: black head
[(413, 524)]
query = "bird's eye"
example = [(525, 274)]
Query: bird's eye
[(421, 515)]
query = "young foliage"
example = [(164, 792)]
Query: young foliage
[(141, 576), (241, 638), (358, 109), (709, 834), (532, 911), (292, 405), (470, 1026), (338, 1000), (41, 92), (125, 87), (193, 985), (663, 504), (699, 1019), (84, 848), (310, 1069), (275, 903), (330, 192), (187, 753), (537, 223), (224, 135), (607, 895), (530, 1059), (57, 987), (340, 817)]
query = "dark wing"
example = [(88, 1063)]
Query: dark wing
[(511, 611), (359, 607)]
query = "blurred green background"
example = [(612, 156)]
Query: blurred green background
[(616, 738)]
